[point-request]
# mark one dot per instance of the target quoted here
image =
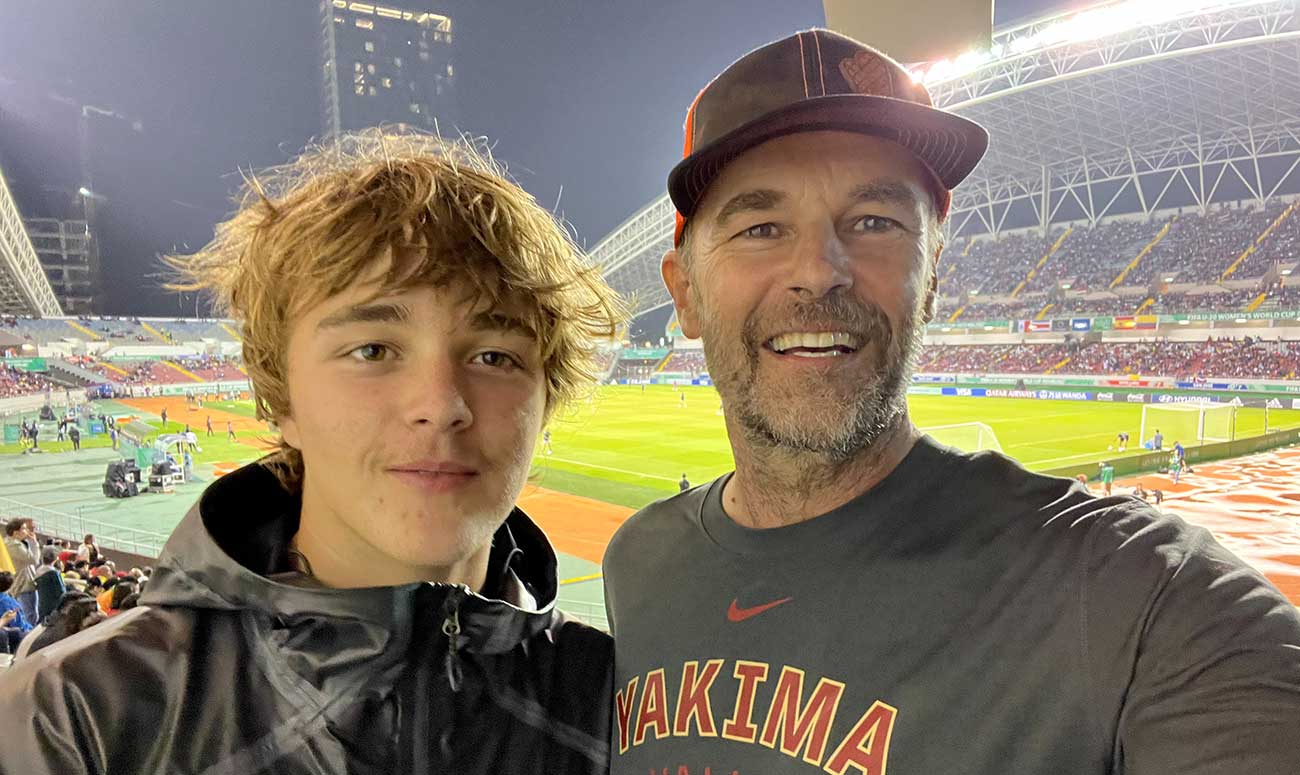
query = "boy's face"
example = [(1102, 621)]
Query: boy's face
[(416, 415)]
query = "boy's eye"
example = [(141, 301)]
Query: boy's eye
[(497, 359), (370, 352)]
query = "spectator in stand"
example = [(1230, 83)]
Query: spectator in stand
[(121, 592), (88, 552), (24, 552), (75, 612), (49, 582)]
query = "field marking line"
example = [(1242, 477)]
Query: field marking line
[(580, 579), (609, 468)]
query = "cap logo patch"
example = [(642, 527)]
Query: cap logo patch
[(868, 74)]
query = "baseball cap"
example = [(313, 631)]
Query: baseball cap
[(818, 80)]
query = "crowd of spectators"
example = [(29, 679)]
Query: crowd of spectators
[(984, 359), (212, 367), (686, 362), (1211, 359), (1282, 244), (1196, 249), (17, 382), (992, 266), (1093, 257), (1218, 300), (57, 589)]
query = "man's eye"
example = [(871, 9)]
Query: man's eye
[(370, 352), (874, 223), (760, 231), (497, 359)]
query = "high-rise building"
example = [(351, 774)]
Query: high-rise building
[(66, 251), (386, 65)]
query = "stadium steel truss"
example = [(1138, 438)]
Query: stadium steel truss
[(24, 288), (1119, 108)]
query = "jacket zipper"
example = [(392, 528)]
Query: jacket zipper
[(451, 629)]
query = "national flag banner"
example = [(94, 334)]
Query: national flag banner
[(1037, 325), (1125, 321), (1081, 324), (1060, 325), (1147, 322)]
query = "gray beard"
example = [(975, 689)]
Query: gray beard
[(780, 421)]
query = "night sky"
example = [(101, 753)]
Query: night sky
[(582, 99)]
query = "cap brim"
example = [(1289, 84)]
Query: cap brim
[(951, 146)]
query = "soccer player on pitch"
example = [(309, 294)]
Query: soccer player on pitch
[(856, 597)]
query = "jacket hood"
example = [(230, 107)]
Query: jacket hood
[(220, 556)]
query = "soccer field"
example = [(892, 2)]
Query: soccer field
[(631, 447)]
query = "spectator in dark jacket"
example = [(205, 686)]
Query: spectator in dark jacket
[(366, 599)]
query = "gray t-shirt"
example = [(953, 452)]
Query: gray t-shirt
[(963, 616)]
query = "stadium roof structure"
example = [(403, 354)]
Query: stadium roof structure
[(24, 288), (1127, 106)]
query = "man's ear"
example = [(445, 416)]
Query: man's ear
[(677, 278), (932, 292)]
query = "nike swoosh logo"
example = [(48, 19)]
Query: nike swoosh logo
[(737, 614)]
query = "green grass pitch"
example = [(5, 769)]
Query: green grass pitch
[(631, 447)]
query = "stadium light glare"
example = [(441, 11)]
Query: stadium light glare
[(1184, 322), (1081, 27), (1169, 279), (988, 328), (946, 329), (1286, 271), (1239, 320)]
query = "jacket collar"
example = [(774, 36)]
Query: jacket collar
[(222, 552)]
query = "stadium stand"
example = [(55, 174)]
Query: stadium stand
[(1199, 248), (1193, 255), (114, 330), (14, 382), (686, 362), (1214, 358), (212, 368)]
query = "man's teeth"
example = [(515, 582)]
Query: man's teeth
[(827, 343)]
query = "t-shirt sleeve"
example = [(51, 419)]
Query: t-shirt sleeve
[(1214, 682)]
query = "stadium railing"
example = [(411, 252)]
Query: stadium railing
[(586, 612), (73, 527)]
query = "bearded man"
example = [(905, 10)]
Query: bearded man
[(856, 597)]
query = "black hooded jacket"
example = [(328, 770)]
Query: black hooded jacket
[(224, 670)]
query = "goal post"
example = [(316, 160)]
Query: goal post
[(1195, 423), (966, 436)]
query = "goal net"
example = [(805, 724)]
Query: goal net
[(966, 436), (1192, 423)]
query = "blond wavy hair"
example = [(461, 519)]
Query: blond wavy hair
[(309, 229)]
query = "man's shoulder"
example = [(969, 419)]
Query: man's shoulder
[(674, 515)]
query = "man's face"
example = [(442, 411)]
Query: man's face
[(416, 415), (810, 279)]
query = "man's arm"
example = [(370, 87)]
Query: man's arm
[(1215, 685)]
